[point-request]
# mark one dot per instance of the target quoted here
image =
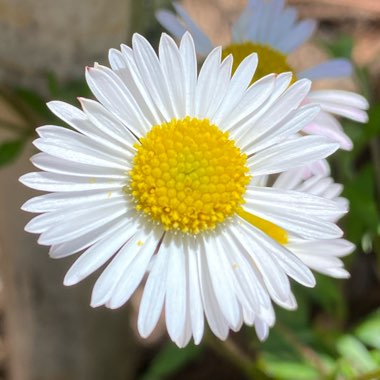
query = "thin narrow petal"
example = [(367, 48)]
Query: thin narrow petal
[(176, 296), (335, 68), (152, 300), (98, 254), (290, 154), (122, 276)]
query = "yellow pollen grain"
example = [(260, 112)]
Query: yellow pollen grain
[(270, 60), (275, 232), (140, 243), (188, 175)]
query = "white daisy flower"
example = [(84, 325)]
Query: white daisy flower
[(271, 29), (157, 179)]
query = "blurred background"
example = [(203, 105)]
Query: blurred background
[(49, 332)]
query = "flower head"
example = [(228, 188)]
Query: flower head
[(158, 178), (271, 29)]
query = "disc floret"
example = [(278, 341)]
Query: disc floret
[(188, 175)]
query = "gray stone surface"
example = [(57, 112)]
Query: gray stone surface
[(63, 36)]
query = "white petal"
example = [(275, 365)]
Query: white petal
[(342, 103), (252, 99), (290, 154), (98, 254), (151, 74), (45, 221), (221, 87), (99, 125), (171, 64), (214, 315), (282, 82), (56, 201), (333, 247), (272, 274), (53, 164), (72, 226), (72, 146), (298, 35), (238, 85), (58, 182), (133, 79), (202, 42), (207, 80), (275, 133), (251, 289), (75, 245), (324, 129), (122, 276), (189, 66), (154, 292), (170, 22), (303, 225), (195, 299), (111, 127), (221, 279), (111, 91), (289, 201), (334, 68), (176, 283)]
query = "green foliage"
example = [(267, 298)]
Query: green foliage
[(363, 217), (289, 370), (354, 351), (369, 331)]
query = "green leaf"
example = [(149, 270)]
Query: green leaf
[(9, 150), (369, 331), (355, 353), (288, 370), (169, 360)]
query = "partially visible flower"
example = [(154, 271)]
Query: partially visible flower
[(272, 30), (157, 179), (321, 255)]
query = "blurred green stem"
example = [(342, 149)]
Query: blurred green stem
[(230, 350), (305, 351)]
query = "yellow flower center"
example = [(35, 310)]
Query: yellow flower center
[(188, 175), (270, 60)]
